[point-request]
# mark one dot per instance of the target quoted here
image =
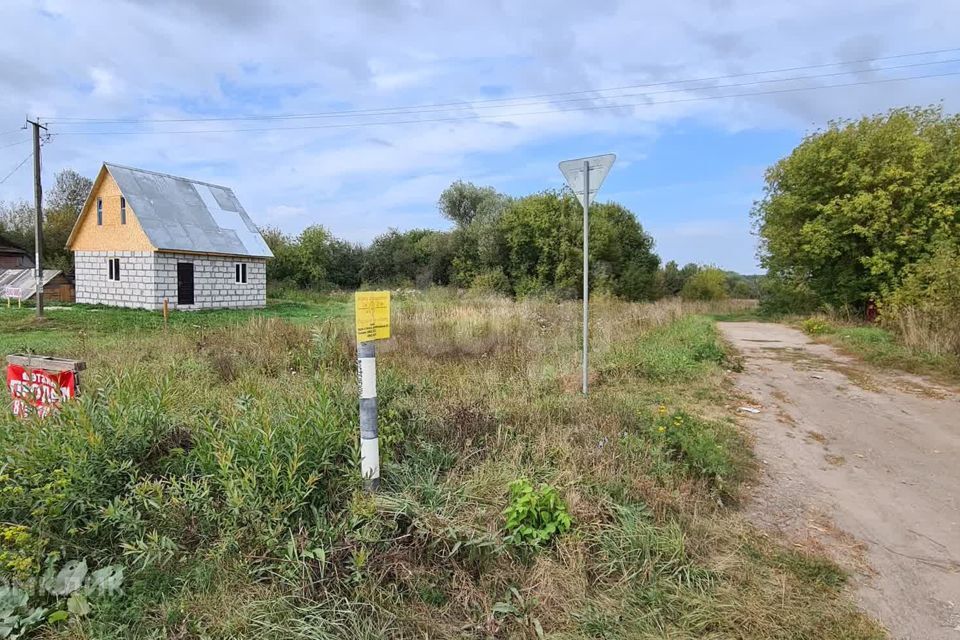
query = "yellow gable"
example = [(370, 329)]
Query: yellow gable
[(110, 234)]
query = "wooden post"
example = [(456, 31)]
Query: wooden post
[(38, 231), (166, 311)]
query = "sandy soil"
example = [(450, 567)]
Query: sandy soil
[(862, 465)]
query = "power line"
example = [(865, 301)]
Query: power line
[(520, 114), (13, 144), (489, 103), (22, 162)]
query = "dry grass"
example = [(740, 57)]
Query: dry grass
[(936, 333), (475, 392)]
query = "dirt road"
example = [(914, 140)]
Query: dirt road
[(862, 465)]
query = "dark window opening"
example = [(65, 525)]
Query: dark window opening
[(113, 269), (99, 211), (123, 210), (241, 272)]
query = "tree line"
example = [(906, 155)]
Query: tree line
[(521, 246), (530, 245)]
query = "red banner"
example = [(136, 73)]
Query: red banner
[(39, 390)]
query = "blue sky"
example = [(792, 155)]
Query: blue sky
[(690, 161)]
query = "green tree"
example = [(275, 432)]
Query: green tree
[(346, 260), (418, 257), (673, 277), (16, 223), (741, 286), (932, 282), (283, 267), (313, 260), (855, 204), (463, 202), (543, 240), (708, 283), (543, 248), (62, 206)]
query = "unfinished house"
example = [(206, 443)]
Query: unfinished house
[(145, 237)]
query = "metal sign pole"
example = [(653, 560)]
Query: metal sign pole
[(369, 436), (372, 310), (577, 174), (586, 270)]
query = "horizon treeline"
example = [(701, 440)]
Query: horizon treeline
[(513, 246)]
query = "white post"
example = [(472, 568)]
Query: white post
[(369, 438), (586, 269)]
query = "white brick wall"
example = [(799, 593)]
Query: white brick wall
[(135, 288), (214, 281), (147, 278)]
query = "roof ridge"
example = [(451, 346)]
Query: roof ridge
[(167, 175)]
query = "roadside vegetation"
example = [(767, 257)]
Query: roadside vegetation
[(882, 347), (215, 464), (864, 213)]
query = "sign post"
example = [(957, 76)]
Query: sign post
[(584, 176), (13, 292), (373, 323)]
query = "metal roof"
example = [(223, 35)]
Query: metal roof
[(8, 247), (179, 214), (25, 280)]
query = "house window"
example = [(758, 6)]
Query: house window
[(241, 272), (123, 210), (113, 269), (99, 211)]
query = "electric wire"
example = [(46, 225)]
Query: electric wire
[(489, 102), (22, 162), (504, 116), (13, 144)]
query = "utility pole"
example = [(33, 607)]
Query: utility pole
[(38, 196)]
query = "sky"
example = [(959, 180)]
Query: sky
[(356, 115)]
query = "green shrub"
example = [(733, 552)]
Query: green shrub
[(491, 281), (535, 516), (780, 294), (924, 308), (712, 451), (679, 351), (709, 283), (816, 326)]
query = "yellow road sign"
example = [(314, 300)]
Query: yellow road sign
[(373, 315)]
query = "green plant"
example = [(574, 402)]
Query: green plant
[(682, 350), (815, 326), (57, 595), (535, 516), (709, 283), (707, 449)]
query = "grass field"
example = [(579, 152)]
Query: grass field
[(216, 461)]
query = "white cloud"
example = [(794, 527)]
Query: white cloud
[(224, 57), (105, 84)]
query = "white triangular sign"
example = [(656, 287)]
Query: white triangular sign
[(599, 167)]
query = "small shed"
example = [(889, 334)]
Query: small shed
[(21, 284), (144, 237), (13, 256)]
